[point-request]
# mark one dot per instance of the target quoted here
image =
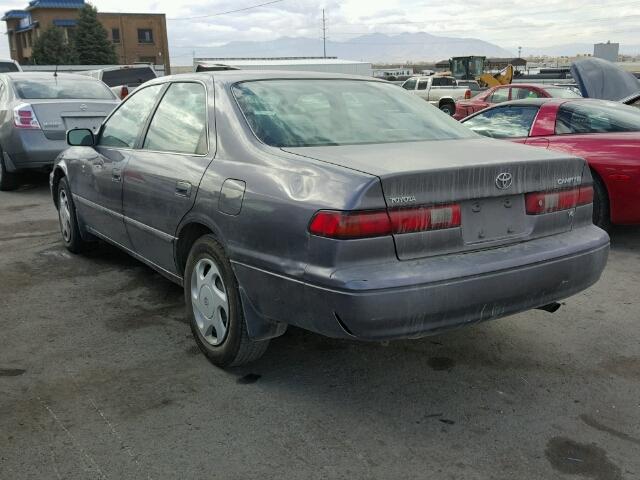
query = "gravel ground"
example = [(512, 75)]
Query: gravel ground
[(100, 378)]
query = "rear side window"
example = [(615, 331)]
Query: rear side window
[(132, 77), (596, 117), (504, 122), (422, 84), (518, 93), (179, 124), (6, 67), (500, 95), (409, 84), (62, 88), (125, 125)]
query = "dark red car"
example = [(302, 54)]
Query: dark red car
[(606, 134), (504, 93)]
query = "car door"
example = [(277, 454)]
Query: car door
[(97, 178), (162, 177)]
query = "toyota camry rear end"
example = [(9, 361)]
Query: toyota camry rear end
[(395, 221)]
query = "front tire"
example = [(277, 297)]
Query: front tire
[(213, 306), (8, 180), (68, 219)]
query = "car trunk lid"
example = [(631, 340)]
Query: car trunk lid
[(486, 179), (56, 117)]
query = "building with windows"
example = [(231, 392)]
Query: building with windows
[(138, 37)]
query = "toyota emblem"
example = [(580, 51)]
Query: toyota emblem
[(504, 180), (83, 107)]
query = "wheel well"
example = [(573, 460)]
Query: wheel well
[(187, 237), (57, 175)]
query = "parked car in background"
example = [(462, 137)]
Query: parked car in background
[(606, 134), (36, 110), (123, 79), (441, 91), (9, 66), (331, 202), (472, 85), (515, 91)]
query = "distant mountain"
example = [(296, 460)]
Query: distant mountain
[(376, 48)]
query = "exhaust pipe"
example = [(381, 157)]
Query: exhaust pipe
[(550, 307)]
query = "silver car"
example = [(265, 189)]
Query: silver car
[(36, 110), (342, 205)]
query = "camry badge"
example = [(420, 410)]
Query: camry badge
[(504, 180)]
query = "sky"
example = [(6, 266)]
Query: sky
[(527, 23)]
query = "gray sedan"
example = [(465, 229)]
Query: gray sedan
[(338, 204), (36, 110)]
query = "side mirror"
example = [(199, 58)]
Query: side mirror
[(81, 137)]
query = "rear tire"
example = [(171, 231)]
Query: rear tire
[(8, 180), (68, 220), (448, 108), (601, 208), (214, 309)]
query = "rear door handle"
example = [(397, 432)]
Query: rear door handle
[(116, 175), (183, 189)]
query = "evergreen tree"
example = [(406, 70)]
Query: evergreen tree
[(91, 39), (51, 48)]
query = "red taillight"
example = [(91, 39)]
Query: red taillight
[(124, 91), (547, 202), (346, 225), (377, 223), (467, 95), (25, 117)]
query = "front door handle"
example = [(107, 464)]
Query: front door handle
[(183, 189), (116, 175)]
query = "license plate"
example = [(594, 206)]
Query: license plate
[(92, 123), (493, 219)]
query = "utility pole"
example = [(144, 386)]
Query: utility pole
[(519, 52), (324, 35)]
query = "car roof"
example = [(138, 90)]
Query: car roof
[(234, 76), (45, 76), (538, 102)]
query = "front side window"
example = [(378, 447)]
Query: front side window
[(302, 113), (179, 124), (596, 117), (62, 88), (504, 122), (124, 126), (145, 35), (500, 95)]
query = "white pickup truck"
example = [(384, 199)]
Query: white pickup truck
[(440, 91)]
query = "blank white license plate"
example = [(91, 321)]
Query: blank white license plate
[(83, 122)]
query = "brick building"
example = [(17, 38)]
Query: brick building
[(138, 37)]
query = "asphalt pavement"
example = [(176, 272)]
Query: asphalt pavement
[(100, 379)]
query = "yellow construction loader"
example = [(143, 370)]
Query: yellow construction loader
[(472, 68)]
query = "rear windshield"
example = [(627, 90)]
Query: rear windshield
[(55, 88), (302, 113), (8, 67), (132, 77), (563, 92)]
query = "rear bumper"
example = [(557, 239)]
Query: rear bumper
[(417, 298), (27, 149)]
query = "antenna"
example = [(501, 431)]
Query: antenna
[(324, 35)]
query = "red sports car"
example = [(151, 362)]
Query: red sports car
[(504, 93), (606, 134)]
